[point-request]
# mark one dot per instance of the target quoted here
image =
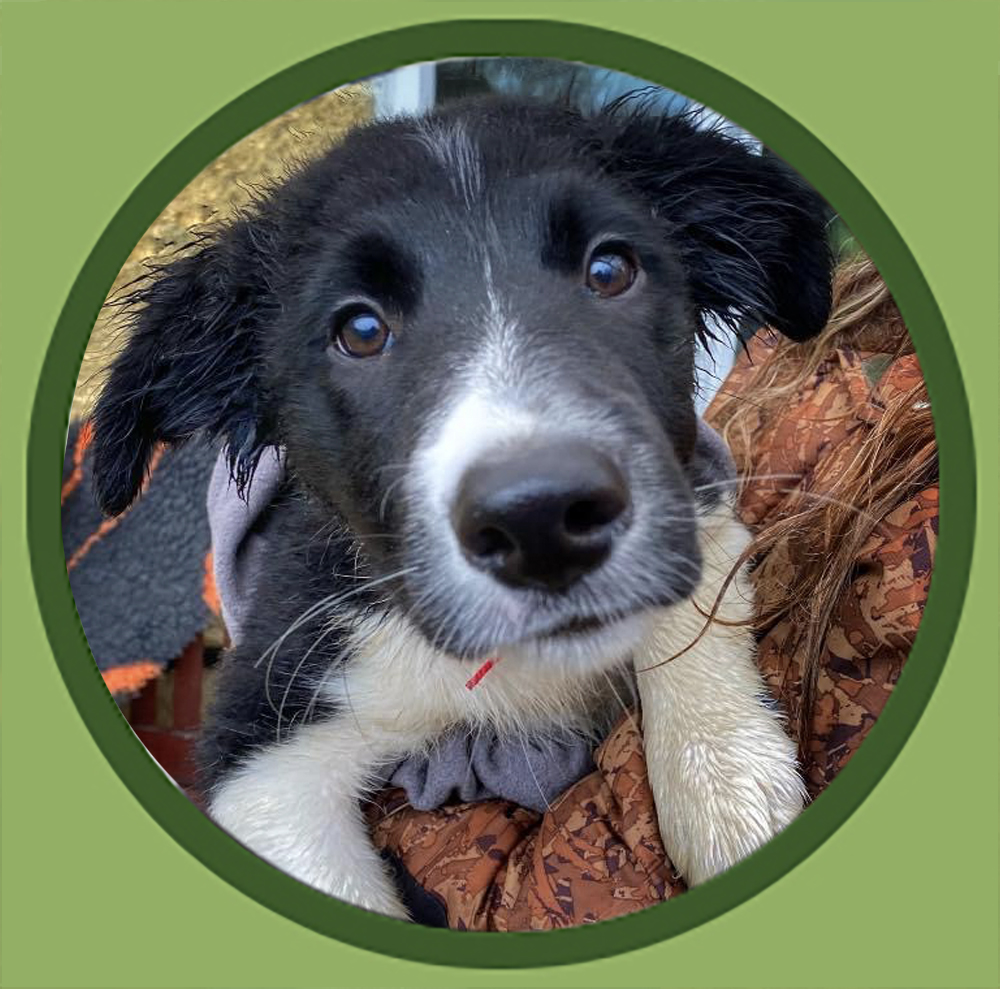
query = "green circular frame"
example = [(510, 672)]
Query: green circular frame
[(362, 58)]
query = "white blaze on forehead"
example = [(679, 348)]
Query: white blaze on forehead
[(496, 364), (496, 312), (453, 149), (491, 410)]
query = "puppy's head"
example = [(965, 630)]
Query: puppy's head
[(475, 335)]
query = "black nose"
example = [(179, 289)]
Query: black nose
[(541, 517)]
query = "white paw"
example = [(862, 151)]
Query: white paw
[(321, 843), (722, 770), (370, 890), (356, 876), (726, 796)]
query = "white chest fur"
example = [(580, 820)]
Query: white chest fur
[(721, 768)]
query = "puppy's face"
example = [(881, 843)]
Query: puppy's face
[(475, 336)]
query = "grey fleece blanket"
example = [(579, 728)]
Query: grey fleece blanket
[(460, 767)]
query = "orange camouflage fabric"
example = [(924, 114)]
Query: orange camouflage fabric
[(875, 619), (596, 853)]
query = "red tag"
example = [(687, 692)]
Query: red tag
[(480, 673)]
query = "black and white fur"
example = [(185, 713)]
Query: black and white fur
[(470, 232)]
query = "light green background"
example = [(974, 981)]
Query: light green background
[(96, 93)]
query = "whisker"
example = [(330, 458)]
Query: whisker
[(626, 710), (531, 770), (314, 700), (291, 680), (385, 498), (326, 604), (736, 481), (815, 495)]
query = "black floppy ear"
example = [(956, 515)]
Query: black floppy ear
[(752, 232), (190, 366)]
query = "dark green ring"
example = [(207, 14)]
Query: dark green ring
[(538, 38)]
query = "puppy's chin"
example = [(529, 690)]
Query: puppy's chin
[(584, 648)]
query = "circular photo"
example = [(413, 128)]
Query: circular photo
[(500, 494)]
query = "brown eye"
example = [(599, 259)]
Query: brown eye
[(610, 272), (362, 333)]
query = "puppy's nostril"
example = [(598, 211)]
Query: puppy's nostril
[(489, 542), (588, 516)]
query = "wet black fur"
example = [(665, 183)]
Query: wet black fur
[(233, 339), (309, 563)]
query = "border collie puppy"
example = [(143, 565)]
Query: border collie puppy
[(474, 336)]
